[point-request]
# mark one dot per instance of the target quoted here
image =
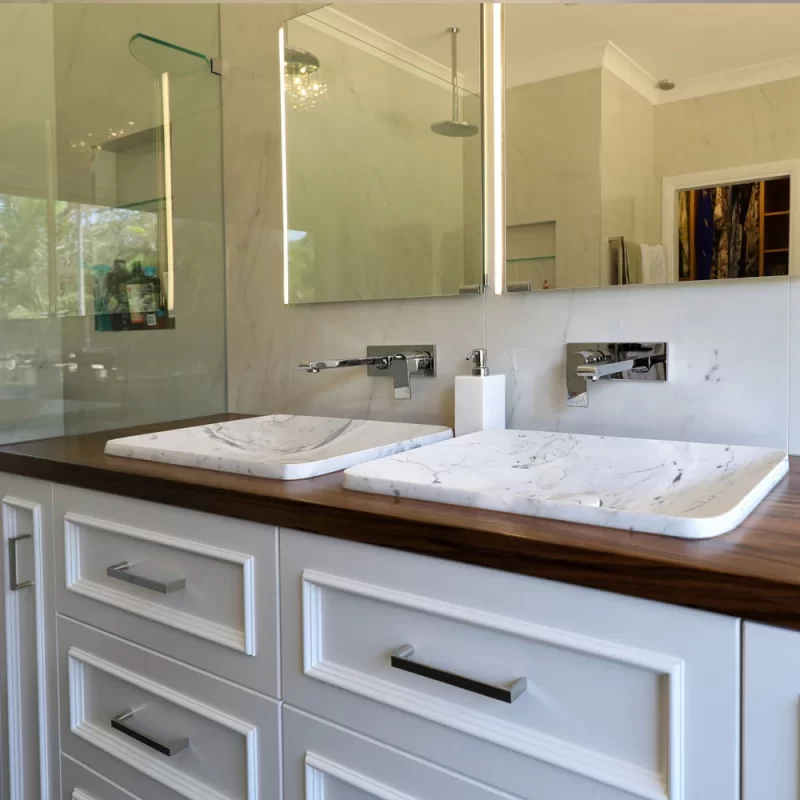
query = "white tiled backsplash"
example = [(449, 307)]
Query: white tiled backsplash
[(730, 375)]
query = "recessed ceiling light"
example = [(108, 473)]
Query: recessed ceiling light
[(665, 85)]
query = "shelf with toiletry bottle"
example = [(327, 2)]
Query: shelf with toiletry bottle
[(129, 298)]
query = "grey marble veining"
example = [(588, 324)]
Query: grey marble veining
[(283, 447), (679, 489)]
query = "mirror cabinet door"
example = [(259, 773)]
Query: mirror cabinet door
[(382, 152), (650, 143)]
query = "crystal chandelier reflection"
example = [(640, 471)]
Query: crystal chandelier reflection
[(302, 84)]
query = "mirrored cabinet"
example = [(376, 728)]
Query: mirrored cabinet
[(382, 115), (635, 157)]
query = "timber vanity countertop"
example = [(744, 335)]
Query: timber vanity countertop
[(752, 572)]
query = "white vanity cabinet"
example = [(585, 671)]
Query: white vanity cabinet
[(29, 734), (205, 658), (771, 713)]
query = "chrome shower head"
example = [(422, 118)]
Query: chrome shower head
[(455, 127)]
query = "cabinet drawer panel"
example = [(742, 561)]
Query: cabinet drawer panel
[(198, 588), (78, 782), (177, 581), (193, 734), (466, 669), (568, 681), (326, 762)]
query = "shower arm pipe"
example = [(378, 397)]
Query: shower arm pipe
[(454, 59)]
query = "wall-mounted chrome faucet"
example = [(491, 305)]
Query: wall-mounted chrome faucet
[(401, 363), (587, 363)]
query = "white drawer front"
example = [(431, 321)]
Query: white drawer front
[(174, 580), (78, 782), (771, 735), (198, 588), (325, 762), (199, 737), (494, 656), (607, 711)]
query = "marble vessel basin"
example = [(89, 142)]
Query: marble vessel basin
[(683, 489), (279, 446)]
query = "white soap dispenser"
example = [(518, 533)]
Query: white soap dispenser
[(480, 398)]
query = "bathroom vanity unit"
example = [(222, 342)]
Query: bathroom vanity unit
[(171, 632)]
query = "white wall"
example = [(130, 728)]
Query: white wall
[(266, 340), (628, 188), (553, 133), (729, 357), (728, 360), (745, 126)]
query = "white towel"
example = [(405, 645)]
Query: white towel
[(654, 264)]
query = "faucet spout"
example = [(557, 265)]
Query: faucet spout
[(588, 363), (401, 366), (381, 362), (593, 372)]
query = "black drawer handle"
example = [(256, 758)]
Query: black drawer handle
[(118, 724), (402, 660)]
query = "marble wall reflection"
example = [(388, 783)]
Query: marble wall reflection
[(377, 203)]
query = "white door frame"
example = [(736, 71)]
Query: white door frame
[(671, 185)]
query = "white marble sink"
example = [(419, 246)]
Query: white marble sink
[(281, 446), (683, 489)]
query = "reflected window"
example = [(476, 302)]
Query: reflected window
[(106, 263), (108, 266), (738, 230), (24, 259), (302, 277)]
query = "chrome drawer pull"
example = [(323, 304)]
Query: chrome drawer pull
[(402, 660), (118, 724), (16, 584), (122, 572)]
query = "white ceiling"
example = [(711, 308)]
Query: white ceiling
[(421, 27), (680, 41)]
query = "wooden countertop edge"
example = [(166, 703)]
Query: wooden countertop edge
[(644, 575)]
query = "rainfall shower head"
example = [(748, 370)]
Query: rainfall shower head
[(455, 127)]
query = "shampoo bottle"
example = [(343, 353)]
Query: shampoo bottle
[(480, 398)]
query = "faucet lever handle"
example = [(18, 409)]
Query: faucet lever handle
[(401, 369), (402, 366)]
